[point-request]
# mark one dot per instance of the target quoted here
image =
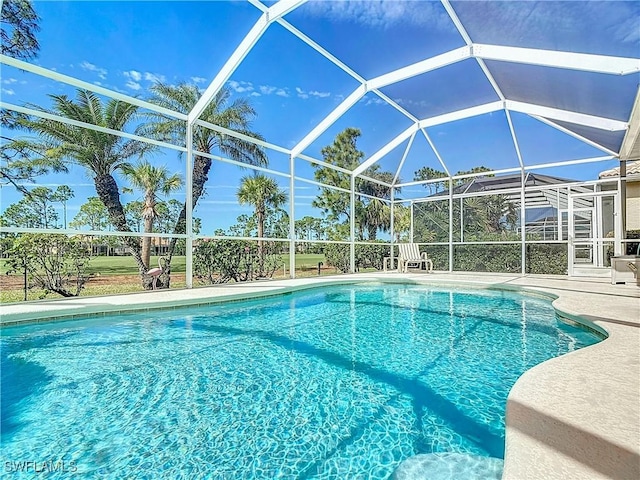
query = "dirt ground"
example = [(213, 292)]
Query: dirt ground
[(15, 282)]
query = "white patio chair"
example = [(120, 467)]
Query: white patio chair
[(410, 254)]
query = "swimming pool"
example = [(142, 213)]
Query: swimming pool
[(335, 382)]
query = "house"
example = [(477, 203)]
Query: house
[(633, 192)]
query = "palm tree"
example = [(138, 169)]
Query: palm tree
[(261, 192), (151, 180), (101, 154), (63, 194), (221, 111), (376, 214), (401, 222)]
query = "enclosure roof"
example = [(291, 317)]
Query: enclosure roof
[(504, 182), (514, 86), (572, 66)]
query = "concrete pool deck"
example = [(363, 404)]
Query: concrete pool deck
[(571, 417)]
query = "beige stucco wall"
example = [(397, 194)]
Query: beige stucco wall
[(633, 205)]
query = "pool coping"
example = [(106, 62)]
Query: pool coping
[(574, 416)]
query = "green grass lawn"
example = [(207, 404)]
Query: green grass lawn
[(125, 265), (100, 267)]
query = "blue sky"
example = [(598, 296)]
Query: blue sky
[(126, 46)]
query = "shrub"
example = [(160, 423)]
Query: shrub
[(499, 258), (54, 263), (439, 255), (221, 261), (367, 256), (487, 258), (547, 258)]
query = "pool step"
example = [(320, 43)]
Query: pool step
[(449, 466)]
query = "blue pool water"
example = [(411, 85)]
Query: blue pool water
[(336, 382)]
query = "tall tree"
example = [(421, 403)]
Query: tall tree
[(18, 161), (428, 173), (480, 169), (35, 210), (262, 192), (152, 181), (101, 154), (376, 214), (133, 212), (63, 194), (401, 222), (19, 27), (342, 153), (370, 214), (92, 214), (221, 111), (482, 217)]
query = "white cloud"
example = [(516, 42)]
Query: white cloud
[(413, 103), (382, 13), (9, 81), (373, 101), (267, 89), (154, 77), (306, 197), (198, 79), (218, 187), (248, 88), (75, 185), (97, 83), (90, 67), (223, 202), (133, 75), (133, 85), (315, 93), (627, 30), (8, 91), (241, 87)]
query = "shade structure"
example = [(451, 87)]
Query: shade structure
[(457, 63)]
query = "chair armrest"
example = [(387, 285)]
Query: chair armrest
[(424, 256)]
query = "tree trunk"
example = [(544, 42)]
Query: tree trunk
[(146, 242), (147, 217), (201, 167), (107, 190), (260, 218)]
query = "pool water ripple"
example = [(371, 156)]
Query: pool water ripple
[(340, 382)]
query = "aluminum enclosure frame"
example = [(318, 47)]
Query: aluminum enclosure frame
[(608, 65)]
